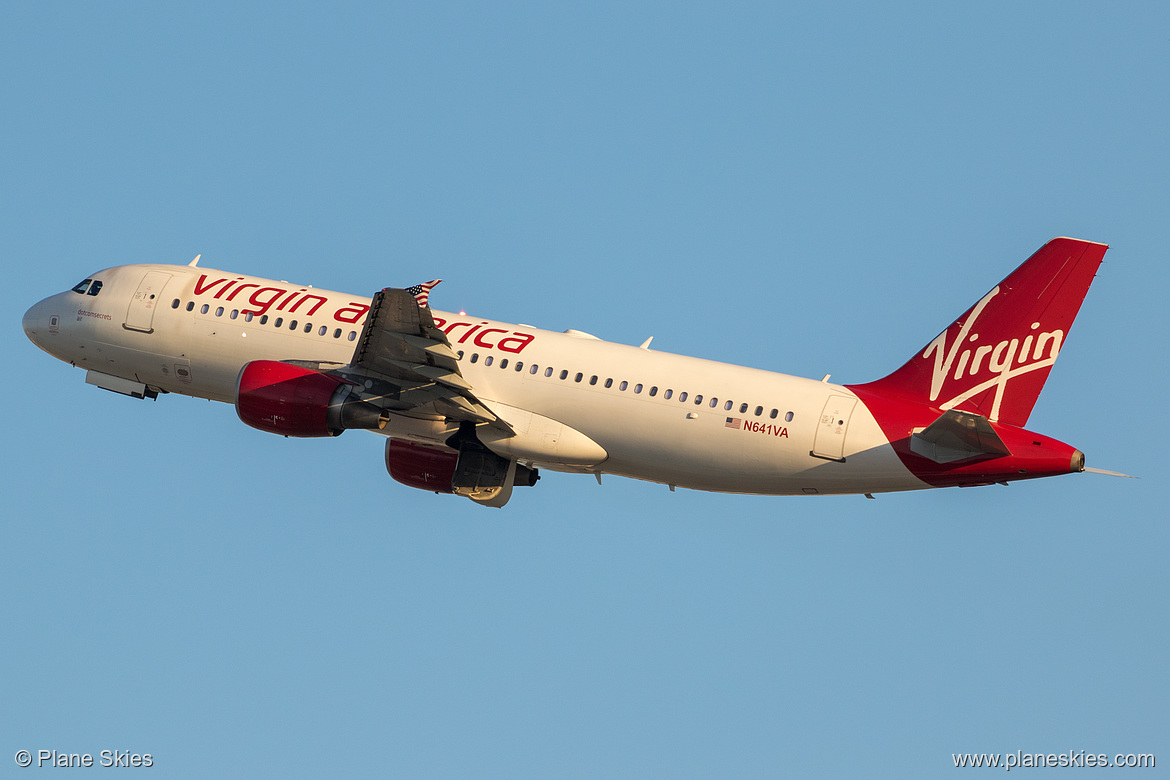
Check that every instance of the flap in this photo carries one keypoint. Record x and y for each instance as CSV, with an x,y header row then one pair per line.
x,y
400,346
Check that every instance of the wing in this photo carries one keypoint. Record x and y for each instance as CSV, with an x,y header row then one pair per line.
x,y
410,362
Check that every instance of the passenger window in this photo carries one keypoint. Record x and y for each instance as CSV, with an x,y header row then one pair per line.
x,y
248,316
487,361
292,325
743,408
279,322
623,385
459,354
175,303
82,286
788,417
504,363
337,333
219,312
714,402
235,313
654,391
637,388
578,377
698,400
727,406
548,371
308,327
263,319
667,394
682,397
95,288
564,374
774,413
609,382
759,410
352,335
322,330
474,357
203,309
535,368
593,379
190,305
519,366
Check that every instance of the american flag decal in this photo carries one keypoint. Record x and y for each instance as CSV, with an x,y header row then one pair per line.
x,y
733,422
422,292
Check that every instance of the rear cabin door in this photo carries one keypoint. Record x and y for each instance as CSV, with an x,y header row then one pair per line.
x,y
140,313
830,439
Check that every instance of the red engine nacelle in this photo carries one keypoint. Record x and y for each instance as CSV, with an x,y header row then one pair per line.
x,y
294,401
420,466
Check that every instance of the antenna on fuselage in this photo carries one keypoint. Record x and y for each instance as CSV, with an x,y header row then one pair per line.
x,y
195,262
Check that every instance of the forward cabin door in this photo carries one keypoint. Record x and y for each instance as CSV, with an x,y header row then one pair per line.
x,y
830,439
140,313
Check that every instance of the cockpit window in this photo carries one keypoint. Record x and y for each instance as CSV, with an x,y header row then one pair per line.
x,y
82,287
95,288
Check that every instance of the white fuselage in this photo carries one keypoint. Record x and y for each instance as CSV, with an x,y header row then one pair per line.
x,y
666,418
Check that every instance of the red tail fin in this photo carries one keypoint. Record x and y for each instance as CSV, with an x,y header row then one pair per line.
x,y
994,359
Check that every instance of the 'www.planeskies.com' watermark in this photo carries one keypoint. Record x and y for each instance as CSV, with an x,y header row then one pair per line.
x,y
1073,758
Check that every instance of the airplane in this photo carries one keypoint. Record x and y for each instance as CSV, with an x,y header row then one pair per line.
x,y
475,407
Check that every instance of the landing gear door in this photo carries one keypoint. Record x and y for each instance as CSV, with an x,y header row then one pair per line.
x,y
830,439
140,313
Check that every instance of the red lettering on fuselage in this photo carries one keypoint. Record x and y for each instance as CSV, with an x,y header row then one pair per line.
x,y
261,300
479,337
261,306
522,340
455,325
285,302
353,312
201,286
304,298
236,291
228,286
751,426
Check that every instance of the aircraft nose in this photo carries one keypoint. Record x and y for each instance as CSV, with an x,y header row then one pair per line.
x,y
32,322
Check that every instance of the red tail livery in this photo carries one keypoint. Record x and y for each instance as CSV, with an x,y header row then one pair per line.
x,y
954,412
994,359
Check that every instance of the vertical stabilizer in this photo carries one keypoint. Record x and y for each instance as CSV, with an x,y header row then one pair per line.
x,y
994,359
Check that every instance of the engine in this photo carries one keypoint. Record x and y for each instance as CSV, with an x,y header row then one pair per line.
x,y
445,470
294,401
420,466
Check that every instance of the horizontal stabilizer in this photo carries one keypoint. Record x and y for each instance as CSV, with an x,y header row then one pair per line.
x,y
958,436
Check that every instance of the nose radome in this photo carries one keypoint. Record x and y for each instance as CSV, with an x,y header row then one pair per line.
x,y
32,322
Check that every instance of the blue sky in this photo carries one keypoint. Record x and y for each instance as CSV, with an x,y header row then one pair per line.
x,y
808,190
